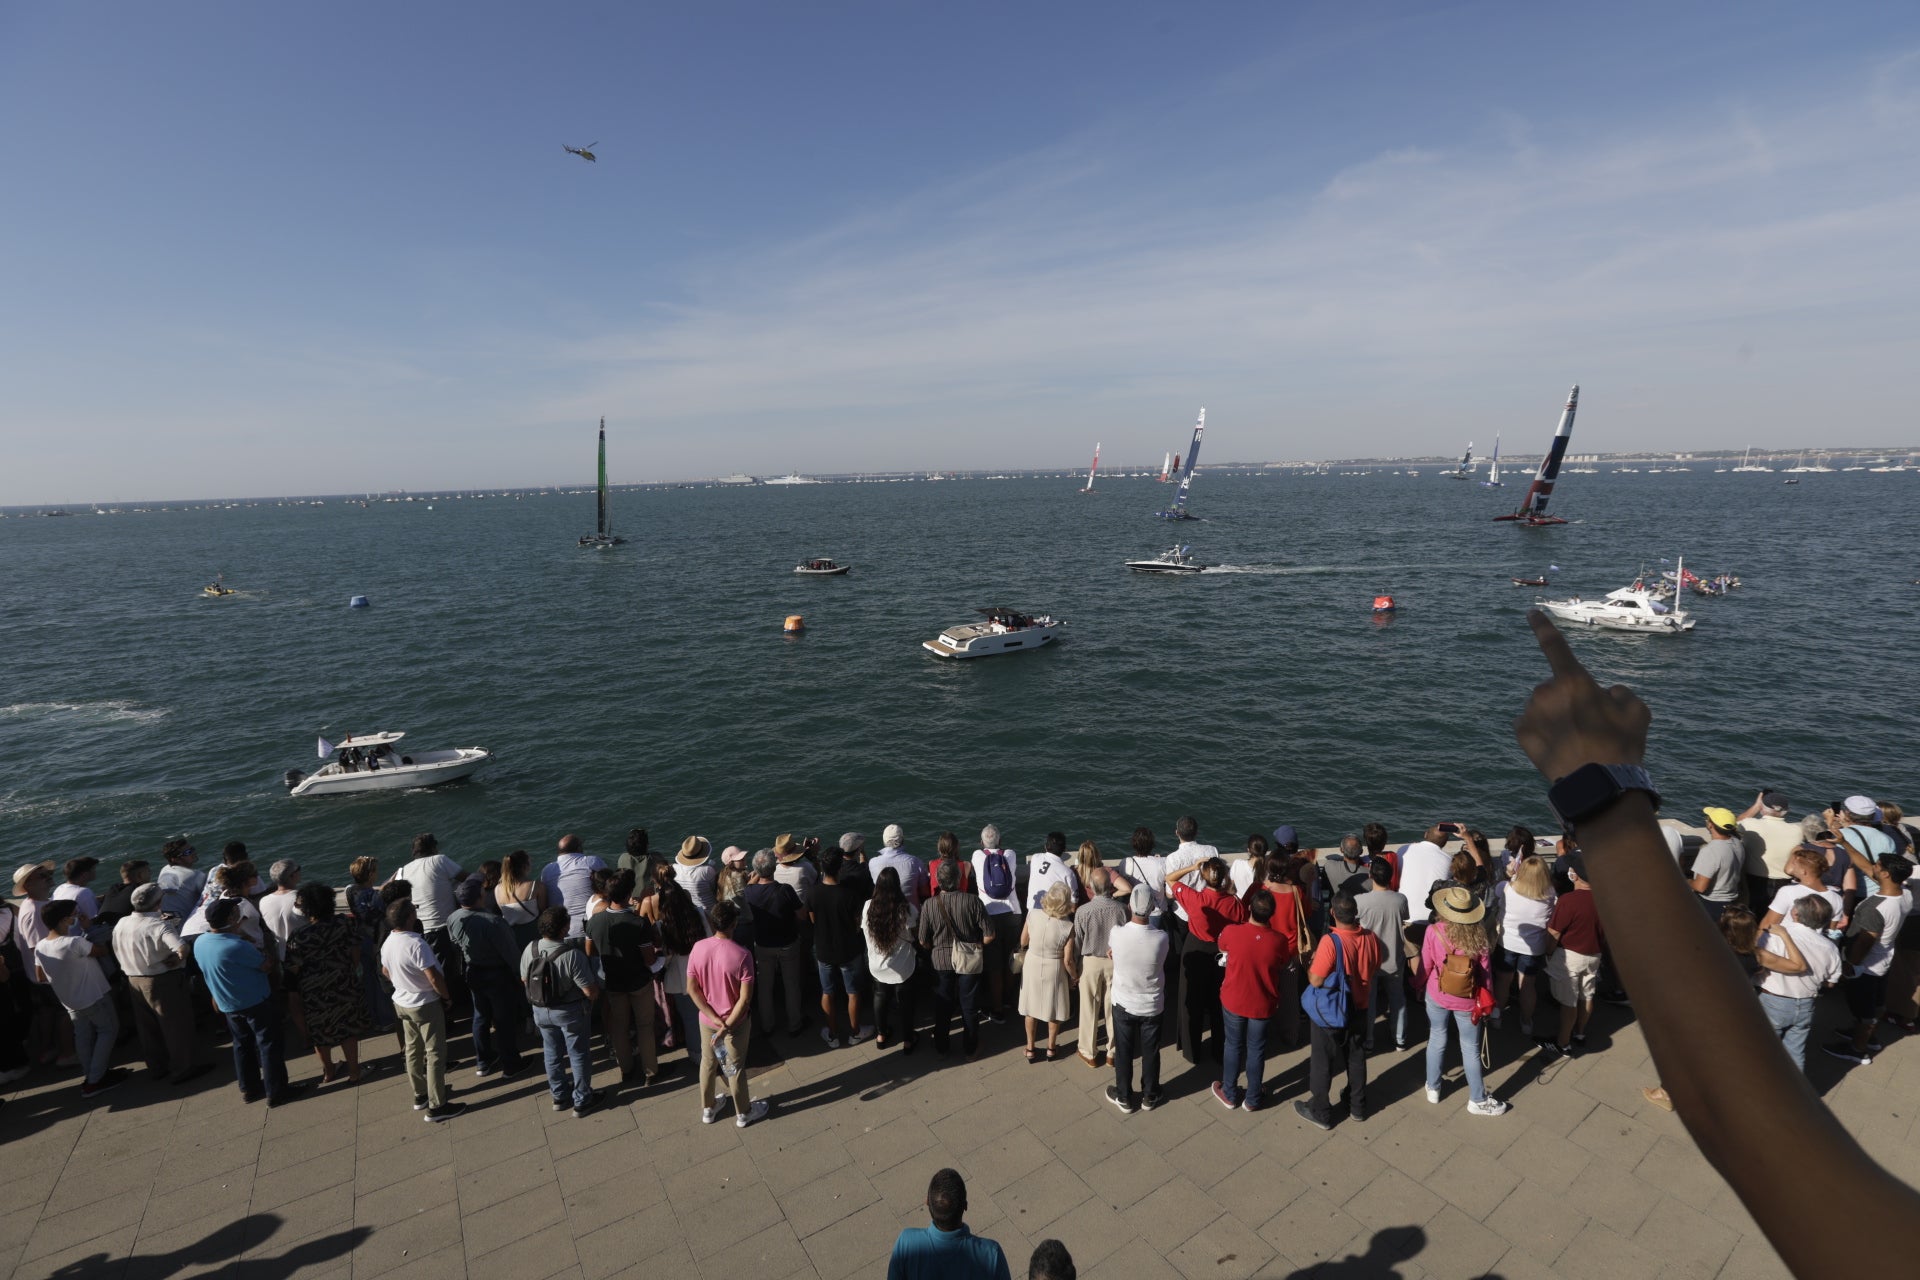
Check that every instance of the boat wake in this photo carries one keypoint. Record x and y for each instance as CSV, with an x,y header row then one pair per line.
x,y
115,712
1277,570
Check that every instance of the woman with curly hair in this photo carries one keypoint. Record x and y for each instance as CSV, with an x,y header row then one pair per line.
x,y
1454,960
887,922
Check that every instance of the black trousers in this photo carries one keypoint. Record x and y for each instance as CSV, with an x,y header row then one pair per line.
x,y
1329,1052
1135,1036
1200,976
893,1010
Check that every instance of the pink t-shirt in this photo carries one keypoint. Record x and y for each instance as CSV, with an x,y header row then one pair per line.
x,y
1433,953
721,966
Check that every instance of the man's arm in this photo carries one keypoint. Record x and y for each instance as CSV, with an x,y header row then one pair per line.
x,y
699,998
1070,958
1720,1060
438,981
740,1006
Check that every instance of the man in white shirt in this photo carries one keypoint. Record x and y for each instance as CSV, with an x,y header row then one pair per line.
x,y
70,963
996,877
569,881
1871,934
912,872
231,882
1787,999
1804,869
1139,955
276,909
180,880
431,875
78,890
1148,868
1188,853
153,955
420,996
1422,866
1048,868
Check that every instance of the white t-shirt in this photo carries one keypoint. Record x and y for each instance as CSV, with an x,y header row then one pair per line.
x,y
1189,853
1892,913
431,880
699,880
1789,894
997,906
1779,838
1151,871
1523,922
892,967
82,898
406,957
277,913
1045,870
249,927
77,978
181,889
1240,871
1422,866
1139,968
1822,957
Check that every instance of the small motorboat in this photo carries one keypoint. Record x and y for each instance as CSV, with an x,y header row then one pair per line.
x,y
1529,582
370,763
821,567
1173,560
1633,608
214,590
1003,631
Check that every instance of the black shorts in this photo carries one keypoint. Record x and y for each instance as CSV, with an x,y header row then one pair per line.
x,y
1866,995
1521,962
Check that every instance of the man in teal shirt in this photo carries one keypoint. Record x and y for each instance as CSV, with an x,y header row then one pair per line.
x,y
946,1250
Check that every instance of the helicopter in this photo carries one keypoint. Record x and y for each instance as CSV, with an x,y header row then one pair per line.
x,y
585,153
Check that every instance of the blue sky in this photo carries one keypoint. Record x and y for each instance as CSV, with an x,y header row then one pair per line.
x,y
269,249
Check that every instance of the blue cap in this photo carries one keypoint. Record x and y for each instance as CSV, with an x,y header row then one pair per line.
x,y
1285,836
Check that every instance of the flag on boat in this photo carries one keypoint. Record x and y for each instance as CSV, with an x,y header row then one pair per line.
x,y
326,748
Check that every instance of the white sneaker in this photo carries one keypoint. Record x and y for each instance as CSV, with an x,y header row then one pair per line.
x,y
758,1111
709,1114
1490,1106
18,1073
826,1033
863,1033
1433,1095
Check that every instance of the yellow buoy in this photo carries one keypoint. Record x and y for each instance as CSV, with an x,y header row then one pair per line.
x,y
795,623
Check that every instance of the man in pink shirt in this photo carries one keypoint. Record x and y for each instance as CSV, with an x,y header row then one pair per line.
x,y
720,983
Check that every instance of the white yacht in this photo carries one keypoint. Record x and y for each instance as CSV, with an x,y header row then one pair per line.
x,y
370,763
793,478
1172,560
1003,631
1631,608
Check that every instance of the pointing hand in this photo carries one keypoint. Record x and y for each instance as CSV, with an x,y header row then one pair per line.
x,y
1570,720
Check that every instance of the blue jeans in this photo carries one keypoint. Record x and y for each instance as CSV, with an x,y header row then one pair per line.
x,y
1395,985
1437,1021
956,991
1792,1019
840,979
566,1039
496,1015
257,1051
95,1028
1246,1042
687,1023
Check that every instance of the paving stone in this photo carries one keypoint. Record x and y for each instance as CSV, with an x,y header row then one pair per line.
x,y
1310,1230
295,1182
723,1216
1338,1169
1457,1245
772,1251
1684,1240
890,1143
1609,1193
1092,1231
1538,1221
1615,1136
1472,1182
1129,1175
1540,1158
823,1201
1599,1252
534,1255
406,1199
1393,1200
1212,1154
1224,1248
856,1246
1033,1202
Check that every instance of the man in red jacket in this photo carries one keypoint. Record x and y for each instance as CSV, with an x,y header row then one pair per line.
x,y
1249,994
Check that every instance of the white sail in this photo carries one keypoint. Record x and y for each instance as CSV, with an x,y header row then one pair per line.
x,y
1493,467
1095,467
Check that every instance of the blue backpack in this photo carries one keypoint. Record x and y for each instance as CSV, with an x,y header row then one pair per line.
x,y
998,874
1327,1005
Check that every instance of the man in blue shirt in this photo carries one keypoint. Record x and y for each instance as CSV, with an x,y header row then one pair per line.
x,y
235,972
946,1250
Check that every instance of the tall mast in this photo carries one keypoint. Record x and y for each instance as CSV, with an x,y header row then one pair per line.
x,y
1095,467
1193,456
601,521
1533,507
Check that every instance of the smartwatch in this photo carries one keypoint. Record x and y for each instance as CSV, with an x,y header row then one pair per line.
x,y
1592,789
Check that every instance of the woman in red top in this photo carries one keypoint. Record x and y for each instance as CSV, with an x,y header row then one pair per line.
x,y
947,849
1210,909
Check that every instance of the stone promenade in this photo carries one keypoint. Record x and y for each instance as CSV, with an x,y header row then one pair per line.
x,y
1582,1178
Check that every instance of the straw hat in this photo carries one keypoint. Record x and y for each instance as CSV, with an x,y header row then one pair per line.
x,y
694,851
1459,905
785,849
26,870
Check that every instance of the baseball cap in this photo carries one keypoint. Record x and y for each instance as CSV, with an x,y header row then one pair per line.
x,y
733,856
1141,901
1285,837
147,897
894,836
852,842
1773,800
1721,818
1860,807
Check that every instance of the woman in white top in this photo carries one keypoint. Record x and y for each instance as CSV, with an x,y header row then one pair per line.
x,y
1526,903
693,868
887,922
521,897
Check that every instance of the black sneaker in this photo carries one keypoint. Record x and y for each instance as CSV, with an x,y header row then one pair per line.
x,y
436,1115
1126,1105
592,1103
108,1081
1844,1050
1305,1112
1148,1101
419,1102
560,1104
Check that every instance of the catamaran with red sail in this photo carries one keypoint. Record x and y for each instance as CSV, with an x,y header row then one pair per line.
x,y
1533,507
1094,468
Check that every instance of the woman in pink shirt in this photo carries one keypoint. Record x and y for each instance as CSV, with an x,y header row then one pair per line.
x,y
1456,964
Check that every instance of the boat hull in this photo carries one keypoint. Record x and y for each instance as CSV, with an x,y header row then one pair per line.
x,y
841,571
990,646
429,769
1155,566
1580,617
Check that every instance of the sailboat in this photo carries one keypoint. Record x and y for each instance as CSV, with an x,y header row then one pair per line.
x,y
1748,464
602,536
1493,480
1094,468
1533,508
1166,468
1179,509
1465,470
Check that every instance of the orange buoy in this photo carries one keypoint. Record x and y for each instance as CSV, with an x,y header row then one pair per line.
x,y
1383,604
794,623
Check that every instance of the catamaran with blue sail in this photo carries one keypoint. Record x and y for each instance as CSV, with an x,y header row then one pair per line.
x,y
1179,509
1465,470
602,536
1493,480
1533,507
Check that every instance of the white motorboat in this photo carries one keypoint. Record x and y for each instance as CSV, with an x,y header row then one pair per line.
x,y
1631,608
821,567
1172,560
1003,631
369,762
793,477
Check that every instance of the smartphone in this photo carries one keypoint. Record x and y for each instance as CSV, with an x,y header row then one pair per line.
x,y
1451,828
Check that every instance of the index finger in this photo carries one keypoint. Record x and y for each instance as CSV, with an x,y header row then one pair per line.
x,y
1554,645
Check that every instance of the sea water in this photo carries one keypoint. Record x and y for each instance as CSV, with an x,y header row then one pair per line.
x,y
652,685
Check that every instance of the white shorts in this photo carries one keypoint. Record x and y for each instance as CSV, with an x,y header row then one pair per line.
x,y
1573,977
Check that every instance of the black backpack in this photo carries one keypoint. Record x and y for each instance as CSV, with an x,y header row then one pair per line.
x,y
546,985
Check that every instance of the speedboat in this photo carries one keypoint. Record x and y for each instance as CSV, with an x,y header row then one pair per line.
x,y
1529,582
370,763
1003,631
1631,608
820,567
1172,560
214,590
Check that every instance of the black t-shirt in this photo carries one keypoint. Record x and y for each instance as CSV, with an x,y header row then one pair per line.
x,y
618,940
116,903
776,914
836,924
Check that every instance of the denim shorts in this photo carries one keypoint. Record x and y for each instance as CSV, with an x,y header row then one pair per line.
x,y
1520,962
840,979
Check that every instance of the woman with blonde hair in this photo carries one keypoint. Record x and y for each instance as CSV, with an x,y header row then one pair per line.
x,y
1045,993
1455,967
1084,863
1526,903
522,897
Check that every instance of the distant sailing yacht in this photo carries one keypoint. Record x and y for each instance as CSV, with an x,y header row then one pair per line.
x,y
1094,468
1533,507
1493,480
1179,509
1465,469
602,536
1748,464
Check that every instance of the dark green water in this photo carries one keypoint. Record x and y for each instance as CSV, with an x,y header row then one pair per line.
x,y
652,686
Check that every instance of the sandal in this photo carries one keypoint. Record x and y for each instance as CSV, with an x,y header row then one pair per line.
x,y
1053,1053
1032,1057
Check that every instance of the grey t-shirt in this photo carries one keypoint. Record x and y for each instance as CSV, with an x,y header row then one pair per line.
x,y
573,964
1094,923
1722,862
1383,913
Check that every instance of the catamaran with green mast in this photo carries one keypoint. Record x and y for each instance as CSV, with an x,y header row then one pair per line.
x,y
602,536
